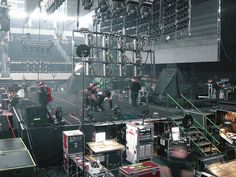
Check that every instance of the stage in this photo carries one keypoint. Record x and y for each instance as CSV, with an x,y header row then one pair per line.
x,y
223,169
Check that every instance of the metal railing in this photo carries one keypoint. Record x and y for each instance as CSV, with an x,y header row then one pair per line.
x,y
203,114
200,129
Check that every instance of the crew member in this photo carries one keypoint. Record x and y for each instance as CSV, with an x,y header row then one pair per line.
x,y
216,86
179,164
91,95
45,96
101,97
134,88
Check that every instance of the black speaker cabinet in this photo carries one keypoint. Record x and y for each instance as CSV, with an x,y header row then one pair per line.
x,y
36,116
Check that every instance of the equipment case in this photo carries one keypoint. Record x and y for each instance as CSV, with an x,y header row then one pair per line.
x,y
144,169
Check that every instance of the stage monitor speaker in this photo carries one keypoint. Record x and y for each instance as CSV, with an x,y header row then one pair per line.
x,y
36,116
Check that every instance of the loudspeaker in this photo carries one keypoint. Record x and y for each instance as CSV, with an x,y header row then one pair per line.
x,y
36,116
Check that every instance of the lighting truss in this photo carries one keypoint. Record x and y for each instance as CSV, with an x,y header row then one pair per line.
x,y
162,20
53,5
4,18
107,48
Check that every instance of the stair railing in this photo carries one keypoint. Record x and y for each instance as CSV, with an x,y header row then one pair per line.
x,y
217,127
202,128
182,129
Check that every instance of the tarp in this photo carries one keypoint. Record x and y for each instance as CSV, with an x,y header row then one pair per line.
x,y
170,81
75,83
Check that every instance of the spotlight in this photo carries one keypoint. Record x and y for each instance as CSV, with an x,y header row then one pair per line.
x,y
102,5
83,50
132,7
88,4
145,9
118,6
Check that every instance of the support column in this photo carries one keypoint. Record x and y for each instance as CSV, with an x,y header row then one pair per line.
x,y
5,59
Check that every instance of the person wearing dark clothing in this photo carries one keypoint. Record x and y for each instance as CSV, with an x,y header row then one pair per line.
x,y
91,95
101,97
45,96
134,88
179,164
216,87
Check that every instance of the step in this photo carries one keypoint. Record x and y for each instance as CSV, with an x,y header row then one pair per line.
x,y
203,143
178,122
193,138
192,132
175,118
208,149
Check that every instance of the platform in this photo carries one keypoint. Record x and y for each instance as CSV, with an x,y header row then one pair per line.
x,y
224,169
15,159
11,144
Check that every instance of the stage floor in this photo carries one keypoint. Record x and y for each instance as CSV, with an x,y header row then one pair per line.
x,y
71,105
224,169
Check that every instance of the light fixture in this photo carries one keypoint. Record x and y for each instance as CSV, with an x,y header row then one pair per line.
x,y
145,8
88,4
132,7
83,50
52,6
103,5
118,6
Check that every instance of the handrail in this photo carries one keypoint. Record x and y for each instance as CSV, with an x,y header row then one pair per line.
x,y
199,111
207,132
177,104
190,138
193,140
193,119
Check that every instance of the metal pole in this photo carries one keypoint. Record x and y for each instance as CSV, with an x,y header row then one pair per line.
x,y
135,57
78,10
83,122
77,25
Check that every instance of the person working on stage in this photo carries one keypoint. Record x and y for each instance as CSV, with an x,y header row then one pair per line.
x,y
101,97
215,86
91,96
134,88
45,96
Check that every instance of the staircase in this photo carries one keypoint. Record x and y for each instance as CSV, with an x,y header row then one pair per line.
x,y
200,138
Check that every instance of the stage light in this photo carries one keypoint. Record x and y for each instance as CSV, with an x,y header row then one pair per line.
x,y
88,4
118,7
52,6
83,50
132,7
145,9
103,5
